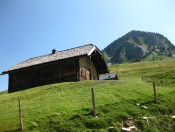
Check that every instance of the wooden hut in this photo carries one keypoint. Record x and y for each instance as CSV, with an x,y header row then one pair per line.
x,y
76,64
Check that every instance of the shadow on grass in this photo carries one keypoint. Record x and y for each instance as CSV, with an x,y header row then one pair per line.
x,y
16,130
147,102
88,114
150,102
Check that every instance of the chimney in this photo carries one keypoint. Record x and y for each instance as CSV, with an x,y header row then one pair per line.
x,y
54,51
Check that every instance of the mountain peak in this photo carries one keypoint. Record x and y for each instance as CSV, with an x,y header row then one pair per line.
x,y
139,46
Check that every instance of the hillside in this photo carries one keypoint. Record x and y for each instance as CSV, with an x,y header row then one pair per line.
x,y
125,102
138,46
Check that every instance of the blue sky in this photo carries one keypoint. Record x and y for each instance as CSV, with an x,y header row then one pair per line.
x,y
29,28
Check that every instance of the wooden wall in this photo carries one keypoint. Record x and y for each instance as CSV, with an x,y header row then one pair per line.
x,y
76,69
55,72
87,69
94,71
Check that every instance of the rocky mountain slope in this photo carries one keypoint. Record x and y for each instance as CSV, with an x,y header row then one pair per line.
x,y
139,46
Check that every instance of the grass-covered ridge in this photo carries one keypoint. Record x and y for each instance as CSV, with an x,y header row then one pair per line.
x,y
67,106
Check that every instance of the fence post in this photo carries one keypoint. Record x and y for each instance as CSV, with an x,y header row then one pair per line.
x,y
93,102
154,89
142,78
20,115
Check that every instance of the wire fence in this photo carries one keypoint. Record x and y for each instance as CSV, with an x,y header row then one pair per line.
x,y
35,107
160,83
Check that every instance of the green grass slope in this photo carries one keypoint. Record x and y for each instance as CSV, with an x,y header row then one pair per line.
x,y
68,107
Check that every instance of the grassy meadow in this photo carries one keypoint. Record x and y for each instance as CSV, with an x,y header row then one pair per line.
x,y
119,103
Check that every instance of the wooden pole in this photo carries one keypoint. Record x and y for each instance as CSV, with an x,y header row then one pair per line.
x,y
93,102
20,115
154,89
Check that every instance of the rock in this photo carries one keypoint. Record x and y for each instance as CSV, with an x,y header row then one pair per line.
x,y
112,129
129,125
129,129
96,117
137,104
133,128
124,129
145,118
145,107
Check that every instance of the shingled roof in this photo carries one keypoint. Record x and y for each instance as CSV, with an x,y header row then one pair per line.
x,y
59,55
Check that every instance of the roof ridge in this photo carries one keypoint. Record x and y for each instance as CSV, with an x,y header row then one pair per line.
x,y
75,47
61,51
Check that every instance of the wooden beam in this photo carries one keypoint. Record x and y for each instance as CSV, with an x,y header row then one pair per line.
x,y
93,102
20,115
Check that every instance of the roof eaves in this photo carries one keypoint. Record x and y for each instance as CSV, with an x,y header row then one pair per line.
x,y
8,71
92,50
87,53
